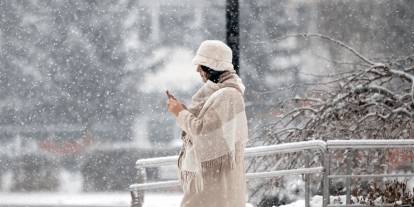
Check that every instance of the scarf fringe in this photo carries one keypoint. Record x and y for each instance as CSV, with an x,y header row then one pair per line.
x,y
227,161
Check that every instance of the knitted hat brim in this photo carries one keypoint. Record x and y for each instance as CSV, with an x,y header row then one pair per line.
x,y
212,63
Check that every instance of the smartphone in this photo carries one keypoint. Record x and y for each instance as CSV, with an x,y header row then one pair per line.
x,y
169,94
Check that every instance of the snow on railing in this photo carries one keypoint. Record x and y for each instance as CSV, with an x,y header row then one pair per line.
x,y
286,148
370,143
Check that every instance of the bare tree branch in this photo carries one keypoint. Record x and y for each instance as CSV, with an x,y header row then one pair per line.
x,y
352,50
339,62
373,101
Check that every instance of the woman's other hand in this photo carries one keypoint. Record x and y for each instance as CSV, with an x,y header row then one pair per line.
x,y
174,106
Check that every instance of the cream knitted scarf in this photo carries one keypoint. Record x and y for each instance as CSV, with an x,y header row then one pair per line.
x,y
214,127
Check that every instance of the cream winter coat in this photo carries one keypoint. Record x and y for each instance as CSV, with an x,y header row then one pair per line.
x,y
211,162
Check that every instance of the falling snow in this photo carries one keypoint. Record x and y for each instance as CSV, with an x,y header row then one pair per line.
x,y
82,91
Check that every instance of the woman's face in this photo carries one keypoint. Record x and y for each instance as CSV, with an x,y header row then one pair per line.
x,y
203,74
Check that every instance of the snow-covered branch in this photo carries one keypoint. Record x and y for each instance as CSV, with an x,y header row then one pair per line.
x,y
320,36
358,97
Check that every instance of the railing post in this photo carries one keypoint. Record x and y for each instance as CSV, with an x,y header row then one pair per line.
x,y
327,168
348,180
135,199
307,181
137,196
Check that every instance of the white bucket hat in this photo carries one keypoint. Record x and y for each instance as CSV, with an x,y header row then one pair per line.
x,y
214,54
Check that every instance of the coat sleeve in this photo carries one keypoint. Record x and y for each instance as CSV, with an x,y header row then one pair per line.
x,y
199,126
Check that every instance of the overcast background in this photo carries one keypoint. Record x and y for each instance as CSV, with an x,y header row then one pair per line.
x,y
82,82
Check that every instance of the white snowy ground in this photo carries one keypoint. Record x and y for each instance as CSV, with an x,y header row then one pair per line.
x,y
114,200
315,201
87,199
110,200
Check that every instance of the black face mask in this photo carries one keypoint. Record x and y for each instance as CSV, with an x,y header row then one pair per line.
x,y
211,74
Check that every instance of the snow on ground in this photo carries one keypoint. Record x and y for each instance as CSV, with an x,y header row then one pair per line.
x,y
315,201
169,200
119,199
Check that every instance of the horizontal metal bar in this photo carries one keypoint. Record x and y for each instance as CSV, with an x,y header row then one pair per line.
x,y
175,183
156,162
371,176
156,185
370,143
286,148
249,152
271,174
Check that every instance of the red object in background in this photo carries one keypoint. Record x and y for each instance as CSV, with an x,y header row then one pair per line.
x,y
66,147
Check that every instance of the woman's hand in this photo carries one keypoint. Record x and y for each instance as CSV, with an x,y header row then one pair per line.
x,y
174,106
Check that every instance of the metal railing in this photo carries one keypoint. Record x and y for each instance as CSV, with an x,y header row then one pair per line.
x,y
137,189
351,145
325,148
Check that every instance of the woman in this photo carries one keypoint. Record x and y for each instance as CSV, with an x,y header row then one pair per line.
x,y
211,161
